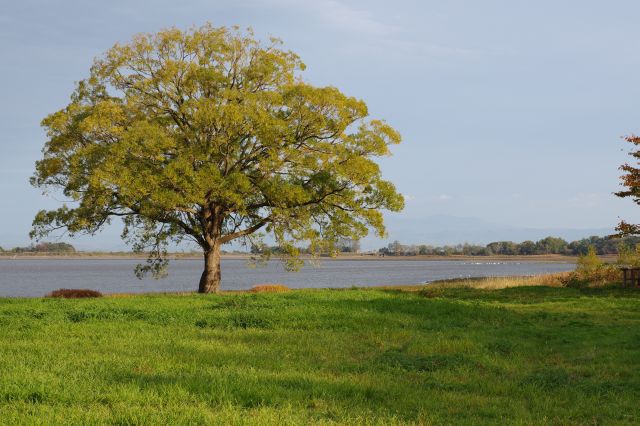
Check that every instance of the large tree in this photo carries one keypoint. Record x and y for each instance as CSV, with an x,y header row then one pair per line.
x,y
631,181
212,135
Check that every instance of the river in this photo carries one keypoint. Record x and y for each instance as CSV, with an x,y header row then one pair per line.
x,y
36,277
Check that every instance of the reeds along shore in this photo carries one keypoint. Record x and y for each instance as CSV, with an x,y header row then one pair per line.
x,y
603,277
497,283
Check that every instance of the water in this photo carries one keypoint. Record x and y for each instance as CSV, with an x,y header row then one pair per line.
x,y
36,277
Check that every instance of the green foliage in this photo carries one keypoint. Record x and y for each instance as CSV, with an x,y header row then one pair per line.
x,y
630,180
551,245
502,247
46,247
527,247
589,263
591,270
548,245
55,247
358,357
211,135
628,256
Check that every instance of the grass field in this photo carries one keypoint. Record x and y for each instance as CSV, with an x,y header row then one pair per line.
x,y
527,355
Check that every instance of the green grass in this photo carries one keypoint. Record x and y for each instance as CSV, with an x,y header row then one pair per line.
x,y
526,355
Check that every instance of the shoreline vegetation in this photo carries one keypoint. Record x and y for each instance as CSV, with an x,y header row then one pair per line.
x,y
79,255
555,280
549,249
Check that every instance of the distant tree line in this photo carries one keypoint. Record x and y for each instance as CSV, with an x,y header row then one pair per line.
x,y
43,247
342,245
549,245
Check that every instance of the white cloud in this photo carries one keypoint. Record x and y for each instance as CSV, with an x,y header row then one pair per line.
x,y
336,14
345,17
382,34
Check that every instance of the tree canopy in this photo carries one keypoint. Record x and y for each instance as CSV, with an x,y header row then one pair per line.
x,y
631,181
212,135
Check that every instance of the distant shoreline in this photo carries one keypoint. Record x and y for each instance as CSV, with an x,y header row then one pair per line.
x,y
546,258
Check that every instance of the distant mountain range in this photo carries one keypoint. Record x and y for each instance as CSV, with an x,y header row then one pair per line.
x,y
443,229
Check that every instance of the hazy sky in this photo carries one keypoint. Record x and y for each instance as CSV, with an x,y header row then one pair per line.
x,y
510,111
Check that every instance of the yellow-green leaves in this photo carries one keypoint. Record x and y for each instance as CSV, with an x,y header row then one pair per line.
x,y
211,134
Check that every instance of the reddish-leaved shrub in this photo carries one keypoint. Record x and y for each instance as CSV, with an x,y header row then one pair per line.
x,y
269,288
74,293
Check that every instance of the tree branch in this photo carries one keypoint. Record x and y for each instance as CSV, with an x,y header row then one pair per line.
x,y
247,231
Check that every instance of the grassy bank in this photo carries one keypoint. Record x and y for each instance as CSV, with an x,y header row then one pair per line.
x,y
530,355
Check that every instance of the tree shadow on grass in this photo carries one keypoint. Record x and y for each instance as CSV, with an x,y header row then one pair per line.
x,y
411,312
265,363
323,397
346,314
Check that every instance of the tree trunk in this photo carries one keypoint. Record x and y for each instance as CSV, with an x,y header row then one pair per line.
x,y
210,279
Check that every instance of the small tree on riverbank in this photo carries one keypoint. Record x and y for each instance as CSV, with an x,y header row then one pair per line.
x,y
211,135
631,181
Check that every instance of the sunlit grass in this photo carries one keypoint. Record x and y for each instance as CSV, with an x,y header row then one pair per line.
x,y
527,355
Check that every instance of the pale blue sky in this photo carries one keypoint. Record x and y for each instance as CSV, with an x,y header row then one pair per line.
x,y
511,111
